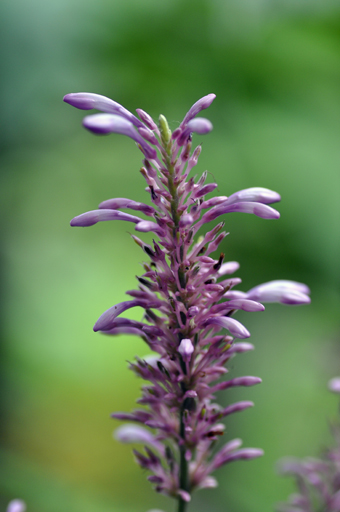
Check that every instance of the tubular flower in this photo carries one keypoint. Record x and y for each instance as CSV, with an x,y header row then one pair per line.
x,y
188,300
318,480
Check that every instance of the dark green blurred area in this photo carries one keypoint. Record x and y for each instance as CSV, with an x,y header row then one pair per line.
x,y
275,67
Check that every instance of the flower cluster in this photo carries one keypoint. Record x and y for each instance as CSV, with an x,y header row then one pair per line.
x,y
188,298
318,480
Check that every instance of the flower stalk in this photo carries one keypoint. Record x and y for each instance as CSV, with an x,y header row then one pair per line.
x,y
188,299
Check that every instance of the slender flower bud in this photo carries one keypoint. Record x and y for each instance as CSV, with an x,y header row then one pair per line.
x,y
197,107
186,349
88,101
121,202
150,123
103,124
228,268
235,328
255,194
91,218
286,292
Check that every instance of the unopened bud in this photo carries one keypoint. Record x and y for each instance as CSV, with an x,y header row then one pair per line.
x,y
186,349
164,129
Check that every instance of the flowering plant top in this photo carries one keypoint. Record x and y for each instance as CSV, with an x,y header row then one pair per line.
x,y
188,298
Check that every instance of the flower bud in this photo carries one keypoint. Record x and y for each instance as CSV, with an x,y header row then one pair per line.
x,y
186,349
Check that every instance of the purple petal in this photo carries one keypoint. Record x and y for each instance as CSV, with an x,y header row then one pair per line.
x,y
209,482
105,321
238,348
244,454
228,268
184,495
197,107
238,381
121,202
237,407
151,330
94,216
214,201
255,194
235,294
199,125
286,292
148,135
229,447
204,190
147,119
103,124
246,305
147,225
131,433
186,220
235,328
259,209
88,101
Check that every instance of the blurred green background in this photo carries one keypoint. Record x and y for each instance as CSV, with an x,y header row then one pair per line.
x,y
275,67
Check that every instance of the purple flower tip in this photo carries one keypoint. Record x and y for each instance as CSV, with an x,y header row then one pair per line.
x,y
94,216
197,107
130,433
79,100
286,292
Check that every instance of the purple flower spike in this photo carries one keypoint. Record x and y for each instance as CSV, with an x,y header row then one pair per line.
x,y
188,301
89,101
102,124
286,292
91,218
